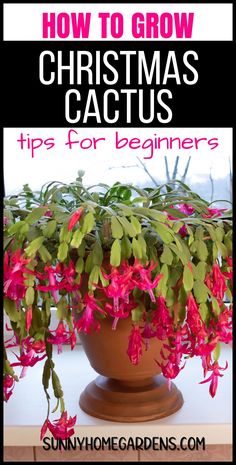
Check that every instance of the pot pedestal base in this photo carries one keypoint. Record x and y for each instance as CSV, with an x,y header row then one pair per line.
x,y
130,401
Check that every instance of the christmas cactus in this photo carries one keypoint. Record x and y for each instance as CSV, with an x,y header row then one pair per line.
x,y
161,257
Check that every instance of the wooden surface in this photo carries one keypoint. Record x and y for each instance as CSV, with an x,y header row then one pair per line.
x,y
213,453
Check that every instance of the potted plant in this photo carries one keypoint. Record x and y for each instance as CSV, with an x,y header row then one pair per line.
x,y
143,274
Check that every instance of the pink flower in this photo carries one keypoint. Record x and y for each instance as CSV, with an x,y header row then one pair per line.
x,y
171,369
122,312
87,322
134,350
8,386
214,377
38,346
27,359
61,428
161,319
59,337
144,282
215,281
214,212
14,269
75,218
183,231
147,334
67,274
120,286
53,285
29,315
5,221
193,319
186,208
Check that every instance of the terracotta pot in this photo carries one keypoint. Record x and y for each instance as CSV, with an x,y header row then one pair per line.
x,y
125,392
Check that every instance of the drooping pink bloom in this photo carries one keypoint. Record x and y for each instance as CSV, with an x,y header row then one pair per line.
x,y
229,274
14,269
61,428
75,218
59,336
29,315
122,312
193,319
186,208
215,281
67,275
120,286
53,284
87,322
216,212
148,333
171,369
214,377
144,280
222,325
8,386
27,359
183,231
134,350
162,319
38,345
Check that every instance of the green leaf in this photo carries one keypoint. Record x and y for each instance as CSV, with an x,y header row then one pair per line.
x,y
200,271
216,352
29,296
8,370
44,254
215,306
62,251
137,249
156,215
11,311
49,228
34,246
62,309
79,267
203,310
136,224
143,245
137,313
97,254
222,249
56,385
126,248
65,235
202,251
116,228
115,253
200,291
46,374
89,263
219,234
164,232
187,278
93,277
15,227
104,281
88,223
128,227
35,215
166,256
77,238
